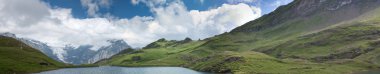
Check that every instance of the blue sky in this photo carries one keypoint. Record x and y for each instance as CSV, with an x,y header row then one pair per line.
x,y
126,9
138,22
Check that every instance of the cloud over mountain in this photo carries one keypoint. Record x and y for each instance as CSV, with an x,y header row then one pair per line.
x,y
57,27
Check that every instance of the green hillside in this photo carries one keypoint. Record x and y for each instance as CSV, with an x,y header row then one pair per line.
x,y
164,53
303,37
17,57
247,62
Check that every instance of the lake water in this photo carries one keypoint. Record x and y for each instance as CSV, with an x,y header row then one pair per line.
x,y
124,70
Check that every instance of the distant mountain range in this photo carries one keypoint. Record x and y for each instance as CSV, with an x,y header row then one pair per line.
x,y
84,55
76,55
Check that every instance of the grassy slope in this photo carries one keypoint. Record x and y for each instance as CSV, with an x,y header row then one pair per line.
x,y
166,55
311,44
246,62
17,57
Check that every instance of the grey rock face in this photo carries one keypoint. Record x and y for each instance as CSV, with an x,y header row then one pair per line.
x,y
43,47
84,55
108,51
7,34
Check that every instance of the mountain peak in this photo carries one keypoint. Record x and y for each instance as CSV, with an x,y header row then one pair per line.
x,y
332,12
309,7
8,34
117,41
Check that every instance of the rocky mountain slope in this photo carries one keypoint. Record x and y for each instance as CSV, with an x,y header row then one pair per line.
x,y
75,55
17,57
43,47
84,55
303,37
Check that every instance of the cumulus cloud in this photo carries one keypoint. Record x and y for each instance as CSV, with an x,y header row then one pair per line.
x,y
93,6
241,1
151,3
57,27
222,19
21,13
174,21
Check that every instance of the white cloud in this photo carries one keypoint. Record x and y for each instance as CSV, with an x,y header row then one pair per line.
x,y
21,13
178,22
134,2
57,27
278,3
93,6
150,3
202,1
241,1
224,18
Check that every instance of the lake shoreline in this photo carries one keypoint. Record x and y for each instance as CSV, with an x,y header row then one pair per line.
x,y
147,66
122,70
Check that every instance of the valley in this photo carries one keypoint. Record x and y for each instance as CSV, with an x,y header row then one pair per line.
x,y
303,37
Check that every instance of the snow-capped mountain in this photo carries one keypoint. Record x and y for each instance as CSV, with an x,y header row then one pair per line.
x,y
7,34
108,51
43,47
84,55
78,55
75,55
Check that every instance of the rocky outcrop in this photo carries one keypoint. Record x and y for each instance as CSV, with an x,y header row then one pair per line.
x,y
234,59
136,58
353,53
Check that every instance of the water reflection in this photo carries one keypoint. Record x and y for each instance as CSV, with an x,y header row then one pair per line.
x,y
124,70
